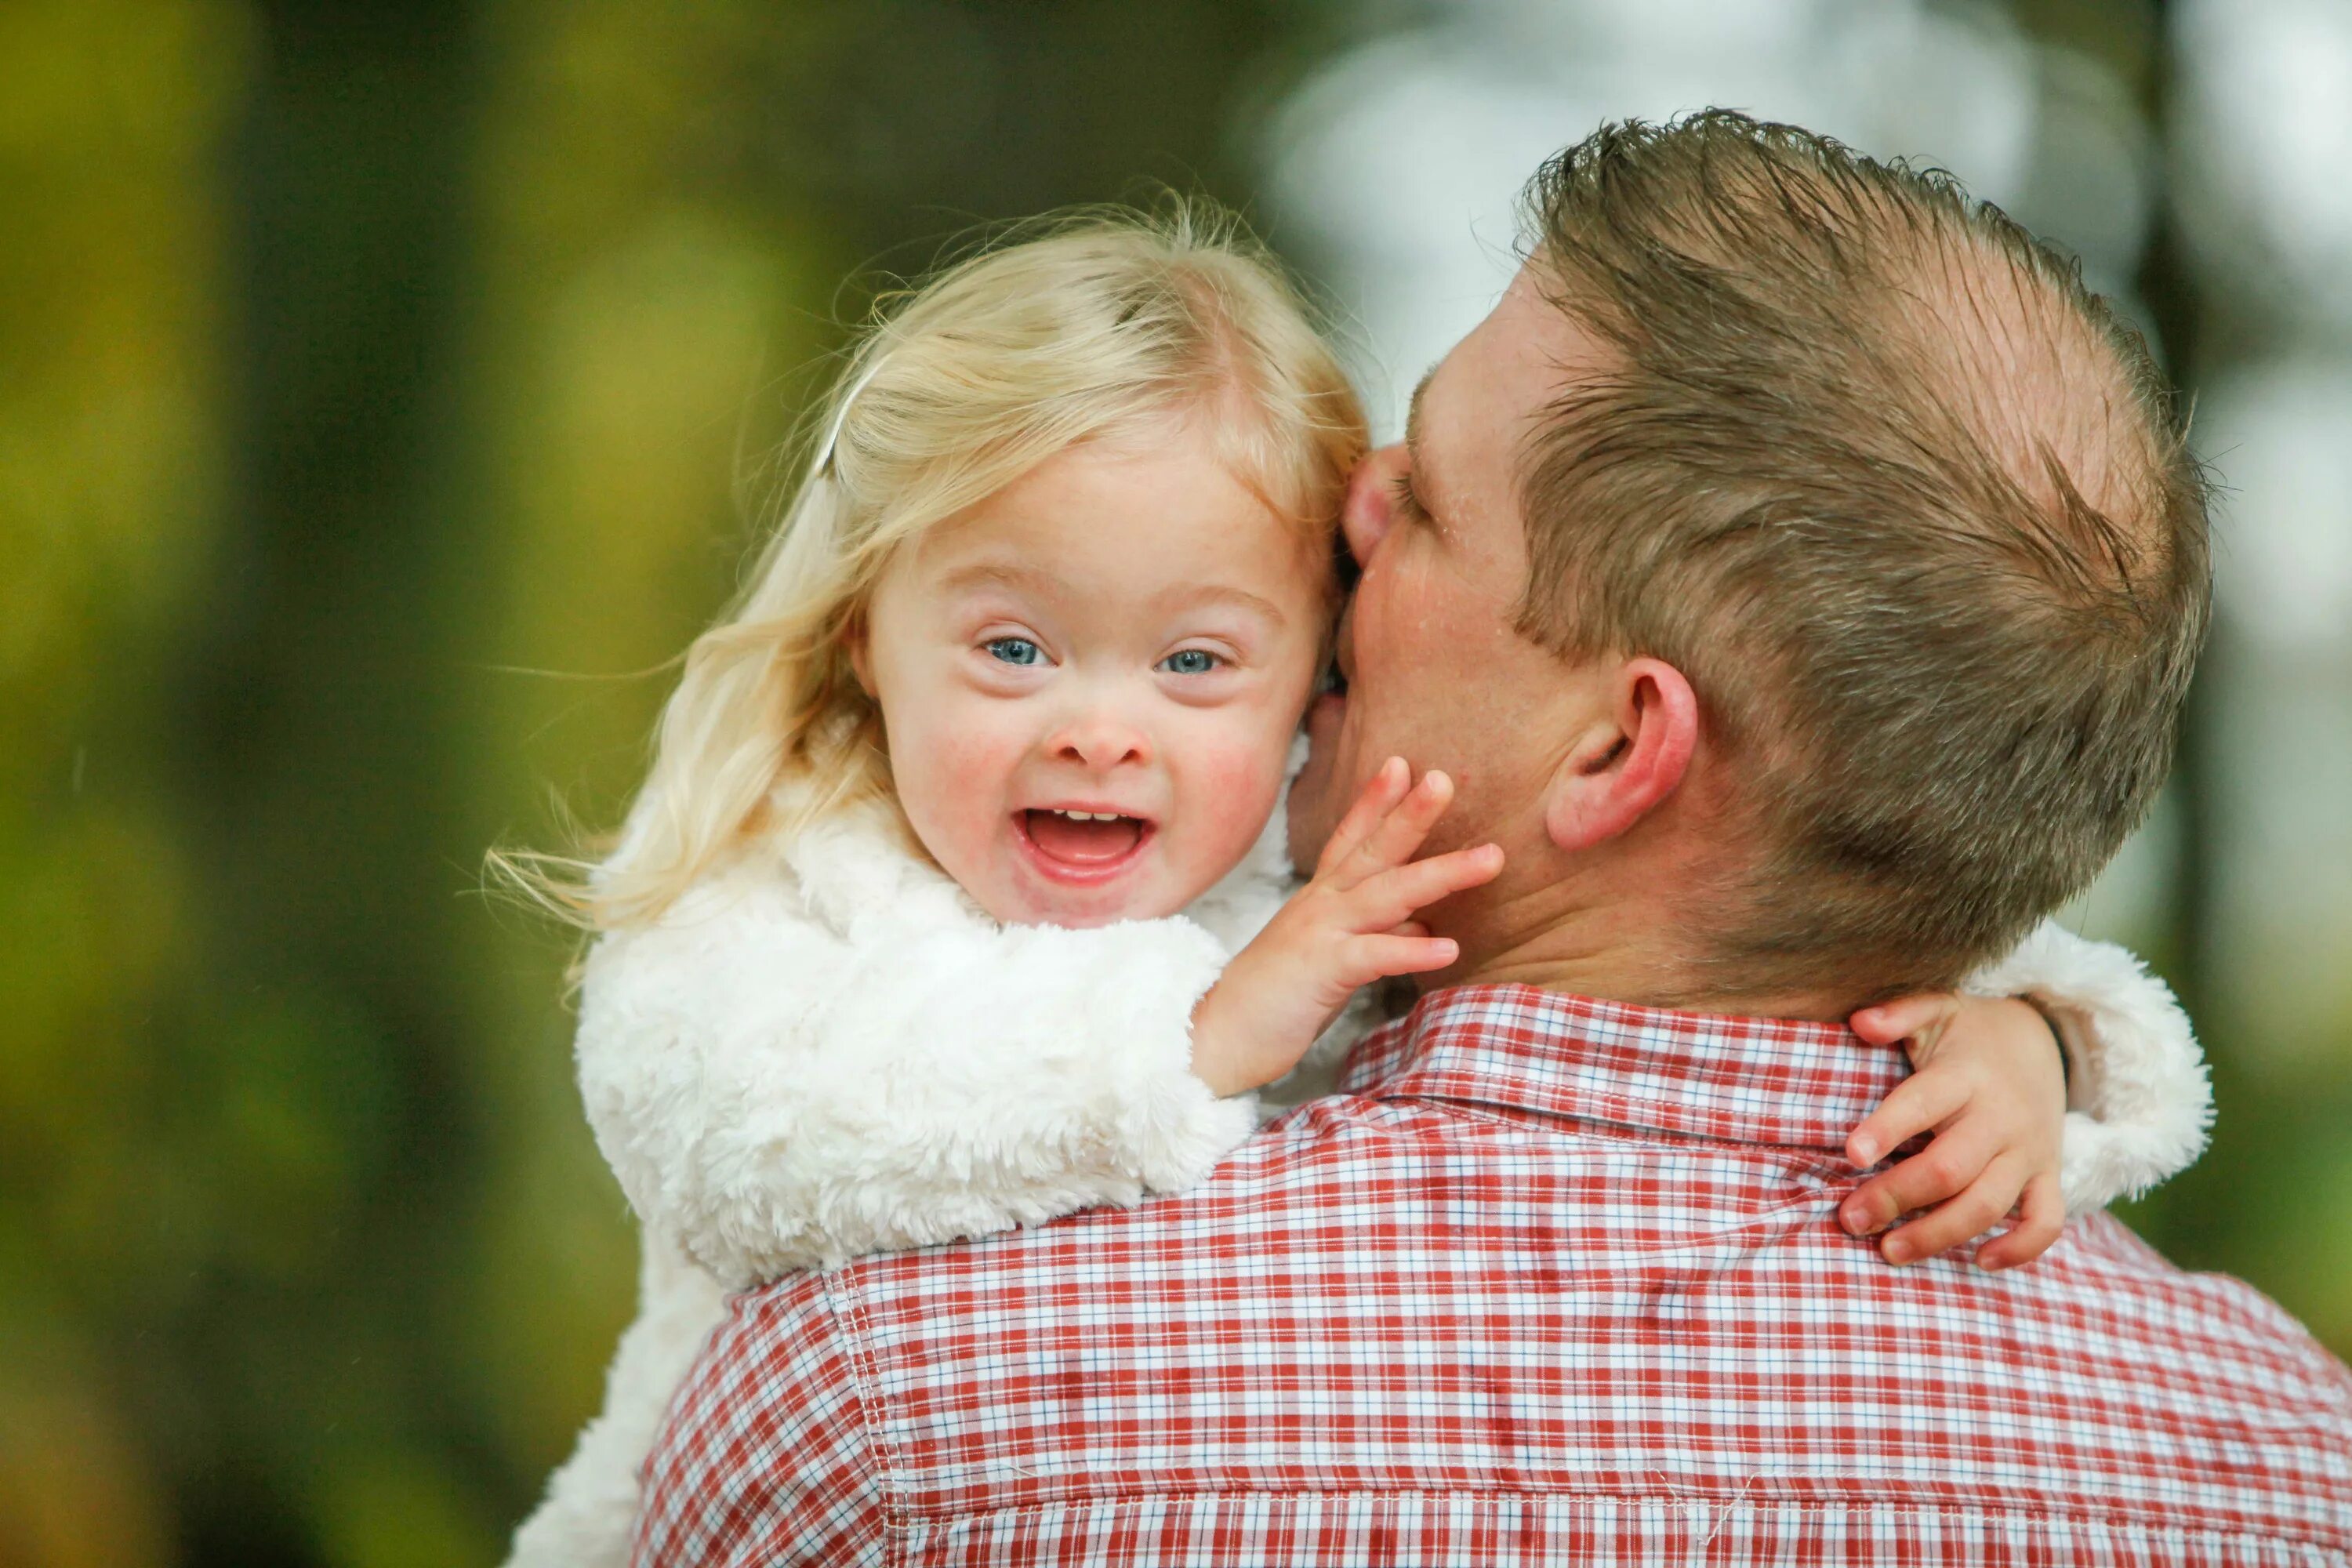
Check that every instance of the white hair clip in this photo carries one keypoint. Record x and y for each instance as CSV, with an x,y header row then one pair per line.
x,y
841,417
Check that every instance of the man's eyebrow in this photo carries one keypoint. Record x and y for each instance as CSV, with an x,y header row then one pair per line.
x,y
1425,483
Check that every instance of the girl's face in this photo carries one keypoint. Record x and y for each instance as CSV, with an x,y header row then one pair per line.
x,y
1090,681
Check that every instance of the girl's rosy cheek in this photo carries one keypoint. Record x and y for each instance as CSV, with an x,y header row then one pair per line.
x,y
1239,786
952,770
982,746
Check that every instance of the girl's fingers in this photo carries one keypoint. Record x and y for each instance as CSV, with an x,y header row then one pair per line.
x,y
1922,1101
1375,957
1397,836
1973,1212
1374,802
2033,1235
1892,1022
1386,898
1946,1167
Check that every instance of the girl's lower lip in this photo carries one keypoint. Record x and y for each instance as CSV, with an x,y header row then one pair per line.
x,y
1070,875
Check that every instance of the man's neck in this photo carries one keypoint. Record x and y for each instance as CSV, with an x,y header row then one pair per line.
x,y
1619,950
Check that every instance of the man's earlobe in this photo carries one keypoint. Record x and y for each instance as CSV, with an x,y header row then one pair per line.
x,y
1627,762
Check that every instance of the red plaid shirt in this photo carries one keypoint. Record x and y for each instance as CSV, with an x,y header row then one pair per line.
x,y
1554,1280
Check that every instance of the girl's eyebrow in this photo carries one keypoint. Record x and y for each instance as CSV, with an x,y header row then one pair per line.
x,y
998,574
1045,584
1192,596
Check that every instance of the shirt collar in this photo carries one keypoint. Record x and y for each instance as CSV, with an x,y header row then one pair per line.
x,y
1753,1081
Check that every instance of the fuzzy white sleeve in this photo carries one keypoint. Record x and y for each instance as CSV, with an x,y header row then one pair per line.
x,y
777,1097
2139,1102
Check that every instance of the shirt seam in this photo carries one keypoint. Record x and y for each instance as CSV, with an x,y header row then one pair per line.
x,y
848,1309
1721,1506
1583,1124
1638,1118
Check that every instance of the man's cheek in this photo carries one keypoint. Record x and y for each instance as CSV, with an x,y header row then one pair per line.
x,y
1311,817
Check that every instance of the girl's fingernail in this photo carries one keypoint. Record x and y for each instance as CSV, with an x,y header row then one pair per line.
x,y
1866,1152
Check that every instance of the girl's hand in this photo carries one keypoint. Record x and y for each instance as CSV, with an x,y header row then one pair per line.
x,y
1350,925
1990,1081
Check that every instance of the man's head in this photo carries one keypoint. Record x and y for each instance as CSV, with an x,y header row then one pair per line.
x,y
1798,553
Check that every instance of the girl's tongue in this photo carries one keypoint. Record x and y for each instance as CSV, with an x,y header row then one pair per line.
x,y
1083,843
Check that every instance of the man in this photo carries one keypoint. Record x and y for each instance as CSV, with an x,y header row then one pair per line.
x,y
1800,576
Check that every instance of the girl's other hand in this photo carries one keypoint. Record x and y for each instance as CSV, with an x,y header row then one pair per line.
x,y
1990,1082
1350,925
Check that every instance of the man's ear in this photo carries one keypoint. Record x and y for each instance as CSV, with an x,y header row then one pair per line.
x,y
1628,759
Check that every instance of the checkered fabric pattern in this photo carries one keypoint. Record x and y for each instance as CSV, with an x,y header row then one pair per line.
x,y
1553,1281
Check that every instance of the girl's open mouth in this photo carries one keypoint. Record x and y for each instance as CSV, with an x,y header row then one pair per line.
x,y
1080,847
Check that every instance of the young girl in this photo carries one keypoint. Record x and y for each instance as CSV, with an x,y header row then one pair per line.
x,y
958,899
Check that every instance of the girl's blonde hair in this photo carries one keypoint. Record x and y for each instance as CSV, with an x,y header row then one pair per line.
x,y
1104,325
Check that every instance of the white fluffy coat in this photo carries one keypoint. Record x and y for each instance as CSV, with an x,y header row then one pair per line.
x,y
828,1049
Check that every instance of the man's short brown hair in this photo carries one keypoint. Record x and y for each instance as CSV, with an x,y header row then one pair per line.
x,y
1910,507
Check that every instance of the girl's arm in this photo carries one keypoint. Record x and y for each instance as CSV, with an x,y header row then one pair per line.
x,y
2128,1110
777,1095
2139,1102
790,1071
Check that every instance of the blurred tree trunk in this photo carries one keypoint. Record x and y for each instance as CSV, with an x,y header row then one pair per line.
x,y
319,768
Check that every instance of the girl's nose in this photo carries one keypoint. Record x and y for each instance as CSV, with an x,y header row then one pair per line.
x,y
1100,742
1370,506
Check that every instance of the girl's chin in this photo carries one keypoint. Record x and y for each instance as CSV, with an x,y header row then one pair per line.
x,y
1032,900
1073,914
1078,919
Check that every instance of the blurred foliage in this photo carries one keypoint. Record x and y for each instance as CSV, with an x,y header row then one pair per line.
x,y
378,381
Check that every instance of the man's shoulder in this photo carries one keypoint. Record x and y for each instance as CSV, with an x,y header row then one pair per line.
x,y
1284,1188
862,1358
768,1447
2112,1283
1388,1179
1396,1296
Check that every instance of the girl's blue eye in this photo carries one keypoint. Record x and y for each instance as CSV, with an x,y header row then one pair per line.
x,y
1015,650
1190,661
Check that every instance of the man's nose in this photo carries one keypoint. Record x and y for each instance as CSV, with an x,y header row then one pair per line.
x,y
1372,501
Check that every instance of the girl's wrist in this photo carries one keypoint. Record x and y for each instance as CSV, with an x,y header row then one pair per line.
x,y
1214,1057
2057,1033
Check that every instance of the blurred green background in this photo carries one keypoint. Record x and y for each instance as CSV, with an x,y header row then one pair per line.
x,y
382,394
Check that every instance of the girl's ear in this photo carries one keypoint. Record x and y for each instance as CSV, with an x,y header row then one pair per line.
x,y
854,641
